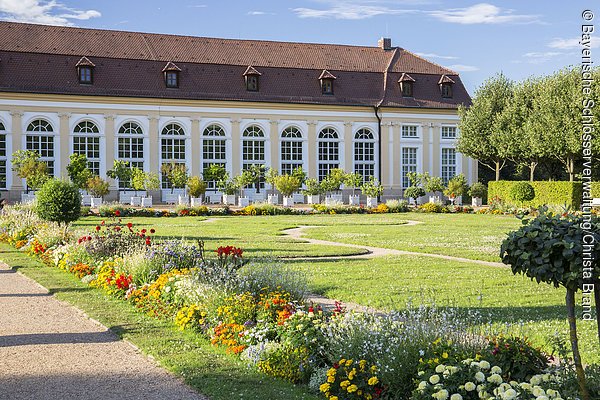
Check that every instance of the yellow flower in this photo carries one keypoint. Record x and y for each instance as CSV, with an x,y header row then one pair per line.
x,y
348,363
352,388
333,398
331,379
324,387
352,374
331,372
345,384
373,381
343,361
445,355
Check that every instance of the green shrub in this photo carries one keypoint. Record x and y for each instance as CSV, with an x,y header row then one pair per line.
x,y
546,193
595,189
414,192
478,190
517,357
197,186
397,206
431,208
97,186
522,192
59,201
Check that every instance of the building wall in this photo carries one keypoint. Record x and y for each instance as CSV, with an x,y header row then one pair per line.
x,y
152,115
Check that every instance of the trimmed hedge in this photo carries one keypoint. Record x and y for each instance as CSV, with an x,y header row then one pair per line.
x,y
546,192
595,189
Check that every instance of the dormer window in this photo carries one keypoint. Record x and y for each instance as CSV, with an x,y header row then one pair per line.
x,y
326,80
251,76
446,86
85,71
171,72
406,85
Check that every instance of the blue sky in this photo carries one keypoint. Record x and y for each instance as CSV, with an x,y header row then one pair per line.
x,y
475,38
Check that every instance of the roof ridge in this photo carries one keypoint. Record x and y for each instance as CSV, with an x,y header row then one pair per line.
x,y
450,72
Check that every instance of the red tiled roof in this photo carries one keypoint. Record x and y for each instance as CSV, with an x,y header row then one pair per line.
x,y
41,59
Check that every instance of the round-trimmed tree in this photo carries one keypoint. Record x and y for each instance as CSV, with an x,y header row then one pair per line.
x,y
59,201
522,192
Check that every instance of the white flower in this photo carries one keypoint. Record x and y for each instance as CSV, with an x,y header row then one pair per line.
x,y
541,398
510,394
480,376
535,380
456,396
469,386
525,386
496,370
421,353
495,378
440,368
434,379
484,364
422,385
441,395
538,391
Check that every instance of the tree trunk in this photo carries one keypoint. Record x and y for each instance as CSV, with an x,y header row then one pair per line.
x,y
571,168
532,167
497,170
570,300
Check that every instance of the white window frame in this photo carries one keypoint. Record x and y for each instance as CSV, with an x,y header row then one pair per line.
x,y
448,138
417,165
365,144
328,144
89,135
183,136
205,162
38,136
134,162
294,143
447,176
4,162
255,143
417,129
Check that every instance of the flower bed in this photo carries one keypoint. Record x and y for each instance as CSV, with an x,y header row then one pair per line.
x,y
258,313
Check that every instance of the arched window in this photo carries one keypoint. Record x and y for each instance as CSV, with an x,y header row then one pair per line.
x,y
253,148
86,141
328,151
3,157
130,147
213,149
291,150
364,153
40,138
172,147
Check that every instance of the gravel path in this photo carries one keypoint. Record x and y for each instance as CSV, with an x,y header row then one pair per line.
x,y
51,350
297,233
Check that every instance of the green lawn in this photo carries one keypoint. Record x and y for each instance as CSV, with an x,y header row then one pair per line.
x,y
200,364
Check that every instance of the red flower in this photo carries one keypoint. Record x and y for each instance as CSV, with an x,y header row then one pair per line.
x,y
143,231
129,225
102,223
97,228
89,238
336,365
152,230
117,228
118,213
148,241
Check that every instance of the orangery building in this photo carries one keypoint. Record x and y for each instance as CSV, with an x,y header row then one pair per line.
x,y
151,99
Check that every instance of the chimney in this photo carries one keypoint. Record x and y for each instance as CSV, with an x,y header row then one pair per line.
x,y
385,43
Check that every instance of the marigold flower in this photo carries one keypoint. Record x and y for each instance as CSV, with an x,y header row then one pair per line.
x,y
373,381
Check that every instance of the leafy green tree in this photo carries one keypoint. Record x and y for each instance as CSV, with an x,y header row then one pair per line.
x,y
144,181
175,173
372,187
287,184
121,171
313,187
299,173
256,175
78,170
59,201
196,186
97,186
457,186
271,176
354,181
432,184
481,134
28,166
214,173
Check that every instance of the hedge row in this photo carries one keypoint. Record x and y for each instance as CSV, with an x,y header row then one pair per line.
x,y
546,192
595,189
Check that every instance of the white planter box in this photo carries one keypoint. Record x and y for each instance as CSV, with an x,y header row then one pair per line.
x,y
298,198
313,199
213,197
457,201
229,199
196,201
243,202
135,200
333,201
336,197
96,201
86,200
146,201
354,200
371,202
183,200
171,198
288,201
435,199
476,201
125,197
273,199
27,197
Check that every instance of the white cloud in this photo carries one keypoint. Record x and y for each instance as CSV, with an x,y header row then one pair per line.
x,y
433,55
260,13
463,68
43,12
536,57
569,44
349,10
483,13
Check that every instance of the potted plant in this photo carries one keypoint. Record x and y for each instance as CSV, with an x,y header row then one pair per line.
x,y
433,184
415,190
79,173
287,185
177,176
313,191
212,175
197,188
354,181
477,192
28,166
372,189
121,172
145,181
228,186
299,173
457,187
270,178
97,187
332,184
247,178
255,177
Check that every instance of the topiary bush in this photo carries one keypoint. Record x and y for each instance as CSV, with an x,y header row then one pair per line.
x,y
546,192
59,201
522,192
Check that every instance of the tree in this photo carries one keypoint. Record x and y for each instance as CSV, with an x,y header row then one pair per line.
x,y
59,201
353,180
271,176
28,166
372,187
299,173
214,173
97,186
244,180
196,186
313,187
256,175
481,136
287,184
121,171
145,181
78,170
334,180
457,186
415,190
432,184
176,174
549,249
